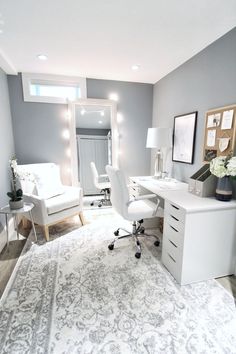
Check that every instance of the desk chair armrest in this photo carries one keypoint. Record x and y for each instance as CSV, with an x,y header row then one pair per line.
x,y
145,196
102,178
142,197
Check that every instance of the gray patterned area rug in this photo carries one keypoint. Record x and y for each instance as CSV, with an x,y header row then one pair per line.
x,y
73,295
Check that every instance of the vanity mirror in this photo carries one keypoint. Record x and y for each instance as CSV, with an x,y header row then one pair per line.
x,y
94,138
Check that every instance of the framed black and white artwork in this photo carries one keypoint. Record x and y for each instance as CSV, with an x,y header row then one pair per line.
x,y
184,137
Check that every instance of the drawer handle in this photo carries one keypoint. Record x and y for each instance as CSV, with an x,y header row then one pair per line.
x,y
174,206
173,243
171,258
174,228
174,218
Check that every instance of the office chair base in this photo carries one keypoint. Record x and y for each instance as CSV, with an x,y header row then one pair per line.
x,y
138,230
104,201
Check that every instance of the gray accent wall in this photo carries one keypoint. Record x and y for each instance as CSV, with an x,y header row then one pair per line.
x,y
135,105
206,81
87,131
6,148
38,127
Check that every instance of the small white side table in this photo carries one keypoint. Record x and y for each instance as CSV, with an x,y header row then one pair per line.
x,y
26,209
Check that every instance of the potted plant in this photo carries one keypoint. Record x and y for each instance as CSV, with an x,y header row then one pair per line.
x,y
16,194
224,167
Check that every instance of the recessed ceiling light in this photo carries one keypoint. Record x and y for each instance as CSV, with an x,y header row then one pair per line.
x,y
42,57
135,67
114,97
100,121
82,111
102,113
1,31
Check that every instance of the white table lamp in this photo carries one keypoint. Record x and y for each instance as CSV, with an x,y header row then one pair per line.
x,y
159,138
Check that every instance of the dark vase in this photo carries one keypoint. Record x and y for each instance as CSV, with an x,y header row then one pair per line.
x,y
224,189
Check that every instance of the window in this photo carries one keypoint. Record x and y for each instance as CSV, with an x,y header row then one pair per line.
x,y
52,88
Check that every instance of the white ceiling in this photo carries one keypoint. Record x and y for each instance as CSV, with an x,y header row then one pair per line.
x,y
102,39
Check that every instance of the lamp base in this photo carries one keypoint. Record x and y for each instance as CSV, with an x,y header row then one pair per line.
x,y
158,165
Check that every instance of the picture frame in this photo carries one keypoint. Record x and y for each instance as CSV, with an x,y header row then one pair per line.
x,y
184,137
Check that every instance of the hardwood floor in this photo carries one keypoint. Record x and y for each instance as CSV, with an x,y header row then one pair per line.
x,y
229,283
9,258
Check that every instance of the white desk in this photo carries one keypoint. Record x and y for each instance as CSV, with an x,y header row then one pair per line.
x,y
199,236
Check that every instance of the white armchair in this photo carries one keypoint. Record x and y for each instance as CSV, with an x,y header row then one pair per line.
x,y
53,202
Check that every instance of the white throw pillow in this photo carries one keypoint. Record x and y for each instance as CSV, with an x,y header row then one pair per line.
x,y
48,181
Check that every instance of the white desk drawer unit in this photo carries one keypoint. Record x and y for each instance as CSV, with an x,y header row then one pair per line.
x,y
199,245
199,236
173,239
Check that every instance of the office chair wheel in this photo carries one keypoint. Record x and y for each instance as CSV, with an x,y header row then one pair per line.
x,y
156,243
116,233
99,205
138,254
92,204
111,246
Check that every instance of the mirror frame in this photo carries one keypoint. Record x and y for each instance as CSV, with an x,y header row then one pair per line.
x,y
72,130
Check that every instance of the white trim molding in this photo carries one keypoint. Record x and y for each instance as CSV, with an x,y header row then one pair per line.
x,y
72,129
6,65
29,78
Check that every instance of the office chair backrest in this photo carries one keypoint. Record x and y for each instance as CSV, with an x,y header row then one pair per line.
x,y
94,174
119,190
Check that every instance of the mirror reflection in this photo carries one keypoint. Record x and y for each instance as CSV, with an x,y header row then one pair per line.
x,y
93,133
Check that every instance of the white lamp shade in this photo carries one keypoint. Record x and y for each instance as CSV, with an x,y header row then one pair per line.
x,y
159,138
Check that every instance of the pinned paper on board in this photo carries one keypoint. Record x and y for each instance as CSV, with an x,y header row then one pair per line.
x,y
223,144
227,119
211,137
213,120
220,132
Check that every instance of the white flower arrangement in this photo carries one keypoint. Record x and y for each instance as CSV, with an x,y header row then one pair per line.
x,y
18,175
16,193
223,166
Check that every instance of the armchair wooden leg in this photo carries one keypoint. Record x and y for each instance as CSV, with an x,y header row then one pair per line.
x,y
46,232
82,219
25,223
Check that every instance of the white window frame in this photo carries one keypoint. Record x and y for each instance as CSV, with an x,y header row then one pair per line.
x,y
30,78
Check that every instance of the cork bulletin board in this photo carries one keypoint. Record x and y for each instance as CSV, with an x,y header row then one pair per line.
x,y
220,127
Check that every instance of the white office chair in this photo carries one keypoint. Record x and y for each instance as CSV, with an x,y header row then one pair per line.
x,y
134,210
53,202
102,186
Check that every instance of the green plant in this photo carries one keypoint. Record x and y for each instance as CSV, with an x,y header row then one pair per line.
x,y
15,194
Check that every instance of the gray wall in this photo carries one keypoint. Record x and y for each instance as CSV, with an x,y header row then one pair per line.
x,y
87,131
206,81
38,127
135,105
6,147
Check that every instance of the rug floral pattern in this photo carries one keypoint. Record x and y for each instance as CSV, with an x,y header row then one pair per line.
x,y
73,295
